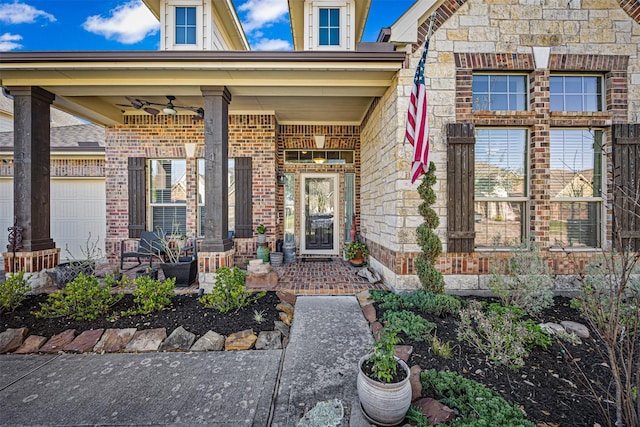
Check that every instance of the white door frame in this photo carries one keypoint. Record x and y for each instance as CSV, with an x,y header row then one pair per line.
x,y
336,219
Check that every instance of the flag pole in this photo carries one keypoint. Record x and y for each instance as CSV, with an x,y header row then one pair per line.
x,y
429,33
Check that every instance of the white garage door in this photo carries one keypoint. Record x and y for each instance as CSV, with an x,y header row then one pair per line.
x,y
78,210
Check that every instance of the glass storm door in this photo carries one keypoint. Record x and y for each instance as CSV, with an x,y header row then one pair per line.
x,y
319,214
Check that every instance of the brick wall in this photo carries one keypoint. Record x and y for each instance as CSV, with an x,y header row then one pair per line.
x,y
64,167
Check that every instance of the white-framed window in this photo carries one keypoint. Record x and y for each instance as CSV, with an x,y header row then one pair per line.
x,y
576,188
500,186
184,29
329,26
576,93
186,25
499,92
231,176
168,195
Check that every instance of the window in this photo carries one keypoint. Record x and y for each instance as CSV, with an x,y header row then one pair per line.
x,y
500,186
185,25
319,156
498,92
329,27
576,93
576,187
231,176
168,191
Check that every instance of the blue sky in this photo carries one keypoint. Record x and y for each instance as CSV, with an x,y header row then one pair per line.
x,y
46,25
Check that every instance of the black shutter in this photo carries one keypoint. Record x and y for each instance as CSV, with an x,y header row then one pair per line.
x,y
460,181
244,205
137,195
626,186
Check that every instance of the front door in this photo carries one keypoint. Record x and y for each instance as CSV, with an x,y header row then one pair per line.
x,y
319,214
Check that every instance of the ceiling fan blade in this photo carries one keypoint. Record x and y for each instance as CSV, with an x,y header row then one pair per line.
x,y
135,103
152,111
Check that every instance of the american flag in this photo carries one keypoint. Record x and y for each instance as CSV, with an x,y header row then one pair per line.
x,y
417,123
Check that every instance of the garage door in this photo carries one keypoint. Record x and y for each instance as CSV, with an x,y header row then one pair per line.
x,y
77,211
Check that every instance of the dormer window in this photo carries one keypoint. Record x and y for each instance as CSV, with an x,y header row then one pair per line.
x,y
329,27
186,25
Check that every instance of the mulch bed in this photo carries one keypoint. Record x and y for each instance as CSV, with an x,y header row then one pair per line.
x,y
548,387
185,311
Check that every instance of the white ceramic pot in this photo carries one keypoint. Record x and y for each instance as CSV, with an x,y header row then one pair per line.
x,y
386,404
262,238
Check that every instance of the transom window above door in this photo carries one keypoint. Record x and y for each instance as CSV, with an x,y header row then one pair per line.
x,y
499,92
319,156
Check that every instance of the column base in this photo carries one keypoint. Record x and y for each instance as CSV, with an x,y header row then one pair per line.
x,y
208,263
31,262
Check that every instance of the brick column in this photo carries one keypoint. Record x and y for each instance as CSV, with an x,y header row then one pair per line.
x,y
31,201
216,155
540,190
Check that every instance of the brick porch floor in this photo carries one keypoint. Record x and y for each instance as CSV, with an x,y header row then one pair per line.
x,y
334,277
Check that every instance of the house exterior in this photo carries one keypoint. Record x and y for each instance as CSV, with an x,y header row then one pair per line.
x,y
532,115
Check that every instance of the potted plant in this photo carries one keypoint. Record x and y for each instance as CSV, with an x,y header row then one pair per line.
x,y
355,252
261,230
177,264
383,381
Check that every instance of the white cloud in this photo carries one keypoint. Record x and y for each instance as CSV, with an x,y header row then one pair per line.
x,y
263,13
271,44
20,13
9,42
128,23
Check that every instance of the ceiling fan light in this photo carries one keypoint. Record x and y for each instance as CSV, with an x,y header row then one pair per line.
x,y
170,111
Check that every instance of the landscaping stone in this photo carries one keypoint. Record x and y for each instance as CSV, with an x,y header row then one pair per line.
x,y
114,340
31,345
577,328
285,318
369,312
11,339
269,340
551,328
243,340
376,330
364,298
404,352
416,384
84,342
435,411
264,281
285,307
57,342
211,341
146,340
287,297
282,328
179,340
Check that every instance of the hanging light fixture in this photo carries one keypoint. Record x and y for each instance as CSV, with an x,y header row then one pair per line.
x,y
169,109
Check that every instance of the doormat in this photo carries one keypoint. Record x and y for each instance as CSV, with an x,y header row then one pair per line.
x,y
317,259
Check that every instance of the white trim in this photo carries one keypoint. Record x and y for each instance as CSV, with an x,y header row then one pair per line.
x,y
347,25
336,222
168,42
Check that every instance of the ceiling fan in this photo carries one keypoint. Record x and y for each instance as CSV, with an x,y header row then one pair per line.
x,y
168,108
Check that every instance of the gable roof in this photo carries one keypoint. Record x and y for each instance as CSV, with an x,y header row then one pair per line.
x,y
82,137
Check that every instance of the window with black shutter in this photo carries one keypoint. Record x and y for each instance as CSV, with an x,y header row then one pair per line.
x,y
243,204
460,181
136,175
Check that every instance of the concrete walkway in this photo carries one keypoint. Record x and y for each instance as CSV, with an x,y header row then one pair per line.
x,y
251,388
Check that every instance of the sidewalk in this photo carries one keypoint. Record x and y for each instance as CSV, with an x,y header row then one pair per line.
x,y
328,336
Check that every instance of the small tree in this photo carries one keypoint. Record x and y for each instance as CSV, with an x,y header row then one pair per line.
x,y
430,278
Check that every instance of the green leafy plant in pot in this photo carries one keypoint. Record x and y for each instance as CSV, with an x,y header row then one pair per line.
x,y
261,230
383,381
355,252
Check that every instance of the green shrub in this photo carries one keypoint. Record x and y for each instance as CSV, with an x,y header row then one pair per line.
x,y
12,292
228,292
538,338
498,333
426,302
478,405
382,361
523,280
415,327
151,295
81,299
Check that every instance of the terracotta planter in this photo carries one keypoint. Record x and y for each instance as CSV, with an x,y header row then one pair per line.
x,y
385,404
357,260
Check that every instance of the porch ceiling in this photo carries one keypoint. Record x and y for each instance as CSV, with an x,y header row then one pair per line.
x,y
298,87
